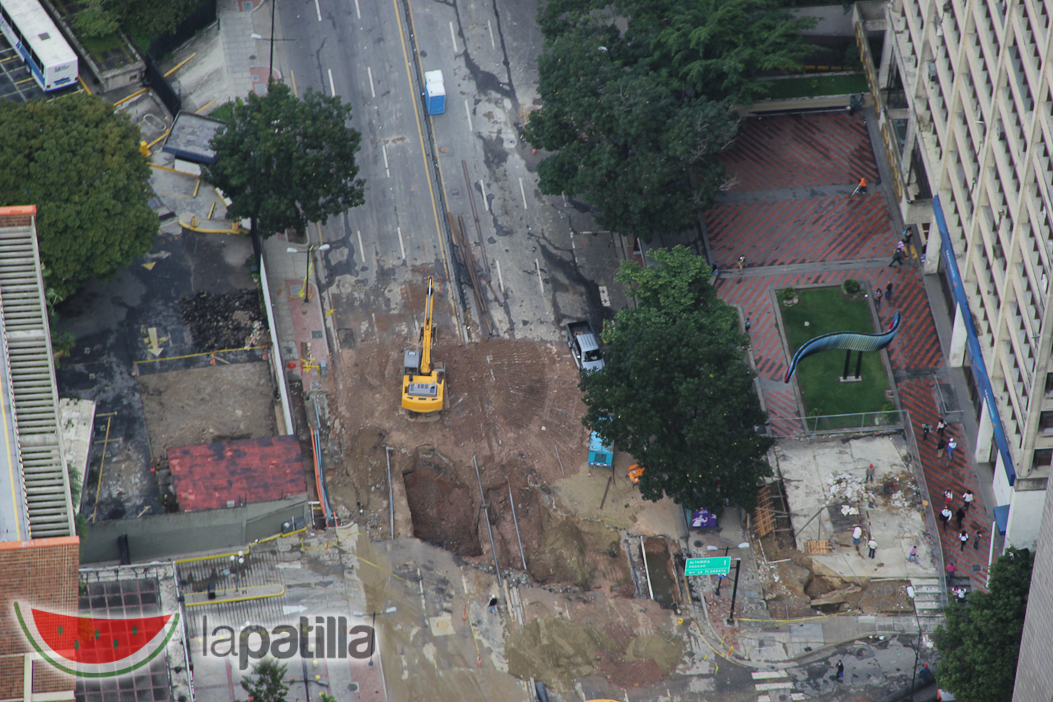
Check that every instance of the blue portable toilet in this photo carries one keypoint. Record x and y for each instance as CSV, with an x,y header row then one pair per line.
x,y
435,92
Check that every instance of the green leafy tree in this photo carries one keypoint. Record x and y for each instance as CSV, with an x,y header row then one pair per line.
x,y
286,161
675,392
624,141
144,19
266,684
78,161
980,641
638,95
718,48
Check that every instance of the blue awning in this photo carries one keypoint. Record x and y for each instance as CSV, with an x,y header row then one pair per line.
x,y
1001,513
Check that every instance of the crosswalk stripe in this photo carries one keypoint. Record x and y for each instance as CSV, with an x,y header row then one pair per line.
x,y
768,674
781,685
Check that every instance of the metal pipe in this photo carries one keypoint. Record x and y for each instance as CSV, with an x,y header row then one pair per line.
x,y
391,492
560,462
516,522
734,592
647,569
486,509
720,578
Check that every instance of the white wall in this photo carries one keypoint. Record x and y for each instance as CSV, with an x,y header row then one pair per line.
x,y
1025,518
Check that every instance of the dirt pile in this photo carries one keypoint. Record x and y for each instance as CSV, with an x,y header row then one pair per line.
x,y
224,321
558,652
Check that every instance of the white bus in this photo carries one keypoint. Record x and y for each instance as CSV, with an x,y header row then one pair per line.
x,y
30,30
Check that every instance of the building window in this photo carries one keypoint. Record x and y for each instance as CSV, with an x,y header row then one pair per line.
x,y
1043,457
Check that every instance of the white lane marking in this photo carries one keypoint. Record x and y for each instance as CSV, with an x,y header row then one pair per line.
x,y
482,186
318,9
361,249
572,246
372,90
468,111
332,86
768,674
384,150
491,28
540,284
523,192
453,35
781,685
401,245
500,278
358,10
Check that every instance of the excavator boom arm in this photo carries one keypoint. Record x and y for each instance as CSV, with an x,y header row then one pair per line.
x,y
426,332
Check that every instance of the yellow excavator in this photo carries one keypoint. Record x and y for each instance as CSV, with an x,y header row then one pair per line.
x,y
423,386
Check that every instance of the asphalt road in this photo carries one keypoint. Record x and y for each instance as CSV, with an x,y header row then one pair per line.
x,y
539,258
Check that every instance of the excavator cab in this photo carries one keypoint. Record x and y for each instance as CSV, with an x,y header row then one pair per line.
x,y
423,383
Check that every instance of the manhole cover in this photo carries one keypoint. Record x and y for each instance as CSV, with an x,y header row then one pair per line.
x,y
444,150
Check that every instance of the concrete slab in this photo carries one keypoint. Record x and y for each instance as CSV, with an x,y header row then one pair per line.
x,y
828,477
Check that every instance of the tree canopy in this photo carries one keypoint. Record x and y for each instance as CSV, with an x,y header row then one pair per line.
x,y
78,161
675,392
267,682
980,641
286,161
146,18
637,115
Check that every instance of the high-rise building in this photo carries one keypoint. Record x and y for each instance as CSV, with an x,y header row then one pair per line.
x,y
962,92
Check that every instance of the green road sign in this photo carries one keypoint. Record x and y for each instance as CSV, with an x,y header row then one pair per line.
x,y
707,566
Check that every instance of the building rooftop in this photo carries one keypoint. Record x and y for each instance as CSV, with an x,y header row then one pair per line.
x,y
215,476
34,482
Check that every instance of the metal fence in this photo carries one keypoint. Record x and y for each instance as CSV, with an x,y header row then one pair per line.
x,y
858,422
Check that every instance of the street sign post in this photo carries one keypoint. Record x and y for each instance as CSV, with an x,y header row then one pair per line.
x,y
707,566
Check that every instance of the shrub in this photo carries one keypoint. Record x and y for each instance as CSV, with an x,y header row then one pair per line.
x,y
851,286
787,294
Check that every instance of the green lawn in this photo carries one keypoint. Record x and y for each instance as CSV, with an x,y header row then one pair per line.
x,y
826,310
816,86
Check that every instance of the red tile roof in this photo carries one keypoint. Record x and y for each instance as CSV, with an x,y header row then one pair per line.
x,y
215,476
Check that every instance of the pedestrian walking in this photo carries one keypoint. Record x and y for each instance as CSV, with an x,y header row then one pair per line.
x,y
940,446
925,429
976,539
897,259
877,298
870,473
951,569
493,604
959,516
888,291
907,236
941,426
948,496
840,670
963,536
749,323
945,516
872,545
901,247
913,555
857,534
741,263
961,593
861,188
967,499
951,445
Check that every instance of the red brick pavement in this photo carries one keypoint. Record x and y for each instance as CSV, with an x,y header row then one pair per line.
x,y
802,230
810,150
794,151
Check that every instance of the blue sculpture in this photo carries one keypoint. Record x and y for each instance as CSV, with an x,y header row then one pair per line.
x,y
852,341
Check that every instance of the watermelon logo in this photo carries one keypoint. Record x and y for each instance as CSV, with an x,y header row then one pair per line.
x,y
95,647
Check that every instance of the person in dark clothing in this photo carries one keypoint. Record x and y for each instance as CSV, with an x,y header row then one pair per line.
x,y
840,670
897,259
749,323
888,291
925,429
959,516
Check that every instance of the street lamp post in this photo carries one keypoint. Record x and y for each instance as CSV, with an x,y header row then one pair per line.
x,y
307,268
373,647
235,563
744,544
917,641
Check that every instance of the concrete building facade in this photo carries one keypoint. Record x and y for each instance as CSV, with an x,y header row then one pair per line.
x,y
962,92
